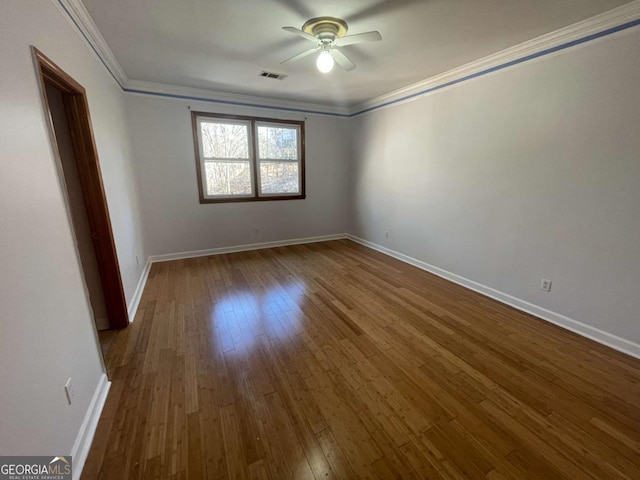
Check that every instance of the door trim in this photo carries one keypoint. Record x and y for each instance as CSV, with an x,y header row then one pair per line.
x,y
86,155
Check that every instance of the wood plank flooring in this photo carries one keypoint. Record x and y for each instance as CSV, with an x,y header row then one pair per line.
x,y
331,360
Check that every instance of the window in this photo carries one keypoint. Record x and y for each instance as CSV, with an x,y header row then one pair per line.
x,y
242,159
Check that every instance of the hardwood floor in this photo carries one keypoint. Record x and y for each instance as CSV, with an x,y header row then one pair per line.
x,y
331,360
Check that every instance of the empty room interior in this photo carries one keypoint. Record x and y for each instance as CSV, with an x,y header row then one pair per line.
x,y
350,239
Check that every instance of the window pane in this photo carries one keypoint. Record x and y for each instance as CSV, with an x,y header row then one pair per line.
x,y
279,177
277,143
224,140
228,178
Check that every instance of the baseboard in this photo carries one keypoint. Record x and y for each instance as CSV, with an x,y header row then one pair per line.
x,y
137,294
244,248
84,438
600,336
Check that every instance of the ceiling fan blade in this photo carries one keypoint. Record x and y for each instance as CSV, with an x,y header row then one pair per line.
x,y
301,55
297,31
342,60
359,38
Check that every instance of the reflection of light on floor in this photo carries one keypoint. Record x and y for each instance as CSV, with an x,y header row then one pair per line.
x,y
273,311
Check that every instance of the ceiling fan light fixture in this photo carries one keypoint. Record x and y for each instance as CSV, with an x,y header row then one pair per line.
x,y
329,34
325,61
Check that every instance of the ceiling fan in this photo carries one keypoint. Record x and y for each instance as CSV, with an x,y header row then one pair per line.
x,y
328,33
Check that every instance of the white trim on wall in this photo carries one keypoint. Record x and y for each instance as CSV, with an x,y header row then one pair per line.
x,y
608,23
80,18
135,302
137,294
245,248
82,445
233,99
595,334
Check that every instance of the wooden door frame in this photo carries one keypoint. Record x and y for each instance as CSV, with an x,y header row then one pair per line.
x,y
86,155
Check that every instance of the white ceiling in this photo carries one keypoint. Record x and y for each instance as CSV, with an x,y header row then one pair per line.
x,y
223,45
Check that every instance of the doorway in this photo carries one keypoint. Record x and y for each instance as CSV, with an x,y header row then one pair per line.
x,y
79,169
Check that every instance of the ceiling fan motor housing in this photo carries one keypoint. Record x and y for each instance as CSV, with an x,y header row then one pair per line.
x,y
325,29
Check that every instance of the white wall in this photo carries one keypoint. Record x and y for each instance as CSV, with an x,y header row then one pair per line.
x,y
175,221
46,332
118,175
527,173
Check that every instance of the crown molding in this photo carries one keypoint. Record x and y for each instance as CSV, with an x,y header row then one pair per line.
x,y
80,17
601,25
234,99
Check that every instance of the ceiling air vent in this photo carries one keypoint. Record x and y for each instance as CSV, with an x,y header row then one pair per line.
x,y
276,76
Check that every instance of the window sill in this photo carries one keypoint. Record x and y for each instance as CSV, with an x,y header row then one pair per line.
x,y
253,199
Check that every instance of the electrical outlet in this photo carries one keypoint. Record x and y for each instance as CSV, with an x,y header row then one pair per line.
x,y
68,389
137,261
257,231
386,234
545,285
